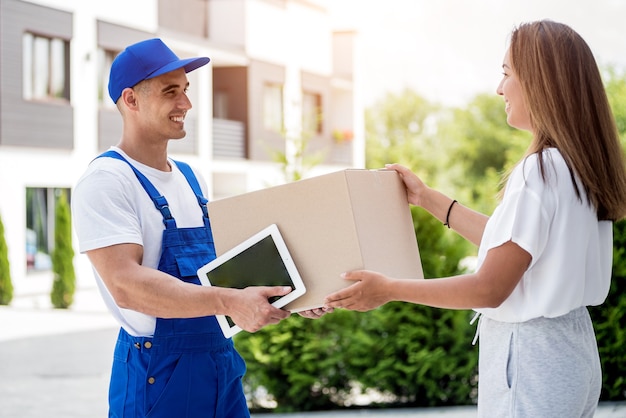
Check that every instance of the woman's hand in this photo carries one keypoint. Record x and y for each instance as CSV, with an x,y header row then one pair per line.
x,y
369,291
315,313
415,187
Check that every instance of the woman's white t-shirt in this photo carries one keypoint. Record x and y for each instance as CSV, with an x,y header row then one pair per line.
x,y
109,207
571,250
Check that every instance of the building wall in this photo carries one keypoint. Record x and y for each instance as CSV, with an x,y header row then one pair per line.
x,y
54,119
48,145
262,139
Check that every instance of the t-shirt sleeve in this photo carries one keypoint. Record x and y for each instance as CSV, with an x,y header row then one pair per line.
x,y
524,215
103,211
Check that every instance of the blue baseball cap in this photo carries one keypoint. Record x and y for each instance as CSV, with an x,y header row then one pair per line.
x,y
144,60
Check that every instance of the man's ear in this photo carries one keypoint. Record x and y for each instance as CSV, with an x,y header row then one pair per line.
x,y
129,98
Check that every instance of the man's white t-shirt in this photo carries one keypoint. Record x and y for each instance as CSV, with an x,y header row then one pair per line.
x,y
109,207
571,250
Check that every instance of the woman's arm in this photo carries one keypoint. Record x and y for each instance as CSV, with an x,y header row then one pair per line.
x,y
468,223
491,285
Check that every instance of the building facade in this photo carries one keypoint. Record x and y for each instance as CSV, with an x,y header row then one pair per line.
x,y
278,100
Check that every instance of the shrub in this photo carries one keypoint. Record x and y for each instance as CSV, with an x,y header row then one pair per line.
x,y
409,354
610,323
6,285
64,283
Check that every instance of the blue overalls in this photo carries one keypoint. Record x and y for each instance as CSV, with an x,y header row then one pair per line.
x,y
187,369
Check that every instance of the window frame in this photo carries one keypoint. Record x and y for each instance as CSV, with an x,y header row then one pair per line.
x,y
46,68
312,113
273,110
105,60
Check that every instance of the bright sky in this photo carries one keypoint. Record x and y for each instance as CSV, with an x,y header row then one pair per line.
x,y
450,50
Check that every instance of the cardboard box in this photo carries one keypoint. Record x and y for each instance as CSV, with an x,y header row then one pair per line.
x,y
348,220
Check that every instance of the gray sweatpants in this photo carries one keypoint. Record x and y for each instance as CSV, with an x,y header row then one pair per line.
x,y
542,368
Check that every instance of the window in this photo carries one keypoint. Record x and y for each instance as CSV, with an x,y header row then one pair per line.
x,y
46,68
105,59
311,113
273,107
40,219
220,104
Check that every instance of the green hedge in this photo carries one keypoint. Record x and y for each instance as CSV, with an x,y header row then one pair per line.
x,y
407,354
6,285
610,323
64,282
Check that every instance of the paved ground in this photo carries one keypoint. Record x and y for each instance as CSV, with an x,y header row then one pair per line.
x,y
55,363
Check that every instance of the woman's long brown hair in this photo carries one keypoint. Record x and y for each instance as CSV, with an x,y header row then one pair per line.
x,y
569,110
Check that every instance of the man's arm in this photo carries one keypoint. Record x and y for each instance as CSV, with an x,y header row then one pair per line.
x,y
159,294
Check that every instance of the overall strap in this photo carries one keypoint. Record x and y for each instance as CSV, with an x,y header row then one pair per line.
x,y
195,186
159,200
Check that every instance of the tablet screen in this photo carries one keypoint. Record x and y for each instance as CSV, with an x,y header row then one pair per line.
x,y
260,263
261,260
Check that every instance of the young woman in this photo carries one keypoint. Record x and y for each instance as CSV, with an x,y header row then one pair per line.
x,y
545,254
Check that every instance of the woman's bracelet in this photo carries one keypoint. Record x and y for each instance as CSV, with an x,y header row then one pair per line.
x,y
448,214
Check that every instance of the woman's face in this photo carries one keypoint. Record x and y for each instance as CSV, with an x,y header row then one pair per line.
x,y
511,90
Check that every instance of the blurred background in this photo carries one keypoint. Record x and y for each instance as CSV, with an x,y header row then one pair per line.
x,y
295,88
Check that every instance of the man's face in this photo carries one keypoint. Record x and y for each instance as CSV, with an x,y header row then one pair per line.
x,y
163,104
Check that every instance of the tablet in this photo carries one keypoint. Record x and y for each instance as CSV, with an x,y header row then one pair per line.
x,y
261,260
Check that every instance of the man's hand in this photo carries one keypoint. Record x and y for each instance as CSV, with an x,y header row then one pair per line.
x,y
250,309
315,313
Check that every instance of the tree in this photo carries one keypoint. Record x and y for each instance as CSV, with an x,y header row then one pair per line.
x,y
399,129
610,323
296,161
609,319
6,285
616,90
64,282
480,148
